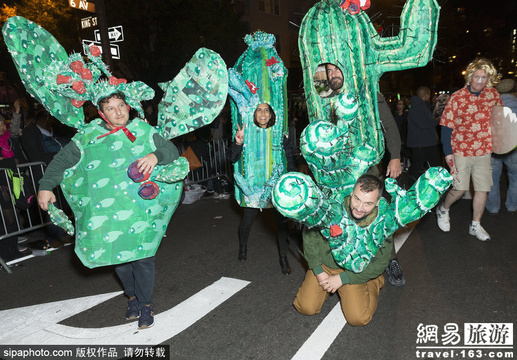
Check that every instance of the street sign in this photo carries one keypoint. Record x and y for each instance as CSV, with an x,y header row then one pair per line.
x,y
82,5
114,49
89,22
115,34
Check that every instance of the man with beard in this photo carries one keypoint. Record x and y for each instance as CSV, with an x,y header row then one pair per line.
x,y
334,78
358,292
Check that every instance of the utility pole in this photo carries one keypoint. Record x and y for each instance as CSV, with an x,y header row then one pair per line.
x,y
103,30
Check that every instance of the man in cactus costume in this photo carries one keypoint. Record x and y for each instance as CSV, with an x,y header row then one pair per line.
x,y
341,34
121,177
358,292
344,137
261,151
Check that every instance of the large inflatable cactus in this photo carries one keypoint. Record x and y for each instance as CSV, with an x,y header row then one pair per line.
x,y
116,221
344,137
258,77
347,39
296,196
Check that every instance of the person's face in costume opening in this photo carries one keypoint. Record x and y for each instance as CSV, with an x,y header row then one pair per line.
x,y
478,80
116,112
334,77
262,115
363,203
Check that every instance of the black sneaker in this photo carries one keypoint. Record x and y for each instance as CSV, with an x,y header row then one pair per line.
x,y
146,319
395,275
132,312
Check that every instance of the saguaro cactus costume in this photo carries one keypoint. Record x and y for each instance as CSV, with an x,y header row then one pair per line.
x,y
344,138
258,77
116,219
348,39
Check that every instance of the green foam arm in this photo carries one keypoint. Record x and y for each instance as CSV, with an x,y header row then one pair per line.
x,y
297,197
414,46
58,217
425,194
175,171
195,96
34,50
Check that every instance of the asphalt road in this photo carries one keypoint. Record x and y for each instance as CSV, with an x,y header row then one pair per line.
x,y
451,279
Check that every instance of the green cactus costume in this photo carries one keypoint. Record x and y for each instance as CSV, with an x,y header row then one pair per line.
x,y
114,224
296,196
330,34
258,77
344,138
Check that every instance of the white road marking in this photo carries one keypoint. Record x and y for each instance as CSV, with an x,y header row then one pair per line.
x,y
318,343
38,324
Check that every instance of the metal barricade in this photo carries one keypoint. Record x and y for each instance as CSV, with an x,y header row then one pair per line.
x,y
14,220
215,166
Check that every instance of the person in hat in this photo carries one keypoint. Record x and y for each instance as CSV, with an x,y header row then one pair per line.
x,y
493,204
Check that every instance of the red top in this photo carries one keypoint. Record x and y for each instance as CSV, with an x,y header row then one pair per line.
x,y
468,116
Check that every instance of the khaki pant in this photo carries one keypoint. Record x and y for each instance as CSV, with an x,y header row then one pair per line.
x,y
358,302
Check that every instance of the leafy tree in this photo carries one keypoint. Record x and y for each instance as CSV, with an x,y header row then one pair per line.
x,y
55,16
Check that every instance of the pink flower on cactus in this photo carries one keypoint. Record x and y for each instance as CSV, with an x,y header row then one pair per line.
x,y
335,230
354,6
272,61
77,103
252,87
77,66
95,50
61,79
79,87
115,81
86,74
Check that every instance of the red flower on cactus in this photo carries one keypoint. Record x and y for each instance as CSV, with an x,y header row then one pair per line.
x,y
115,81
61,79
77,103
252,87
77,66
79,87
95,50
272,61
335,230
86,74
354,6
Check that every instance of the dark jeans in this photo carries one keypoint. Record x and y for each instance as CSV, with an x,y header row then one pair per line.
x,y
138,279
281,225
420,158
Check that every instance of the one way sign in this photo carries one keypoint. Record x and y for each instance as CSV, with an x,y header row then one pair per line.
x,y
115,34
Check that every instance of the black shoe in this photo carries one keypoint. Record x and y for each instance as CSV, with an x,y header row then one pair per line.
x,y
395,275
284,265
243,252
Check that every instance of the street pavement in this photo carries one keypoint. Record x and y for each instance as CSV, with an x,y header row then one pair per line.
x,y
215,307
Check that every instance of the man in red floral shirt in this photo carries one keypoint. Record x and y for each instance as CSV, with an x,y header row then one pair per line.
x,y
467,142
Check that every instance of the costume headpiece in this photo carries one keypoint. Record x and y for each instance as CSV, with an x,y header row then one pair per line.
x,y
54,78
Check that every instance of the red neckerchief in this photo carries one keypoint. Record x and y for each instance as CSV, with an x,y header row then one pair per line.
x,y
128,133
